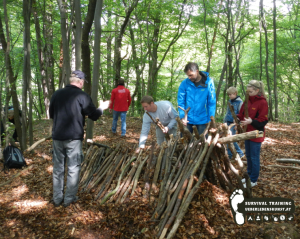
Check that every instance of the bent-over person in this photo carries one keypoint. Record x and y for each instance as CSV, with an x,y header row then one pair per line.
x,y
165,112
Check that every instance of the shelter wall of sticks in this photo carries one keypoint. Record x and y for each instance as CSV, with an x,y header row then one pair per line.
x,y
169,174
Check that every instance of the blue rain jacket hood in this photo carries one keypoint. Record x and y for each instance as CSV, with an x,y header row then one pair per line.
x,y
201,99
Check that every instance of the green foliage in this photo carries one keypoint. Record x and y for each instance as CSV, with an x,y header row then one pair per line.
x,y
163,17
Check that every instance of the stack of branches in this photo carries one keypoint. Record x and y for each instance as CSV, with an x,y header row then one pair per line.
x,y
172,173
203,155
110,173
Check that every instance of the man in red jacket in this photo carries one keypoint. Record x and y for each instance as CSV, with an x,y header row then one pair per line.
x,y
120,102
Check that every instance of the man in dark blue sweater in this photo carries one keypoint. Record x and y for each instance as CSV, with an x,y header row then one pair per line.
x,y
68,108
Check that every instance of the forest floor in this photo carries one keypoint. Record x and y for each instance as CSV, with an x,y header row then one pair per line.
x,y
25,211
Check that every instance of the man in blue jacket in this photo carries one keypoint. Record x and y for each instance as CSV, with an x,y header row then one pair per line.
x,y
198,92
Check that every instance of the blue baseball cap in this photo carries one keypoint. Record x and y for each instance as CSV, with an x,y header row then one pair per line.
x,y
79,74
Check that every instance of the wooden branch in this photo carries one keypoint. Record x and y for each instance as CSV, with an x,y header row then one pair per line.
x,y
281,166
288,161
213,124
17,175
160,125
239,128
184,130
37,143
246,113
195,130
91,142
119,180
240,137
185,112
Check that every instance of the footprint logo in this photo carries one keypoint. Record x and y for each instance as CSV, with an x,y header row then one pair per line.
x,y
236,198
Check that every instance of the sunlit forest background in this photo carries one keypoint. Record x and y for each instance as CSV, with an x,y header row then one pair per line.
x,y
148,43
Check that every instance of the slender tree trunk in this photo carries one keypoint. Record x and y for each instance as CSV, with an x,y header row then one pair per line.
x,y
48,82
266,60
9,71
26,71
41,59
78,35
224,69
109,70
96,67
275,60
85,47
66,70
118,46
214,38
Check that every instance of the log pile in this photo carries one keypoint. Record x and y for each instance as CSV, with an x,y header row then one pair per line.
x,y
171,174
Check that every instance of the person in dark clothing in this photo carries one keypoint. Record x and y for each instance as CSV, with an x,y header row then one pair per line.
x,y
10,115
68,108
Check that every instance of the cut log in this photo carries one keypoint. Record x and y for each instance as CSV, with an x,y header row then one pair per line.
x,y
239,137
281,166
91,142
288,161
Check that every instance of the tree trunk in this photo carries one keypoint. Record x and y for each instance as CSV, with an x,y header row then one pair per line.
x,y
118,46
214,38
40,51
96,67
85,48
78,35
9,71
66,70
26,71
270,114
275,60
48,82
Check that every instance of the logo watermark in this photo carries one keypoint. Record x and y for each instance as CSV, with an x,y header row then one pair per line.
x,y
275,209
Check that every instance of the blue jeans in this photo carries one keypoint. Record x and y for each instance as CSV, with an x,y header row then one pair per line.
x,y
253,161
236,146
200,127
116,115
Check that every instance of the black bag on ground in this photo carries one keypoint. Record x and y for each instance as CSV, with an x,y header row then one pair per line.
x,y
13,158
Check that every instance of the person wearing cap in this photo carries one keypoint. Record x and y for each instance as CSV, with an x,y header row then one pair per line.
x,y
120,102
68,108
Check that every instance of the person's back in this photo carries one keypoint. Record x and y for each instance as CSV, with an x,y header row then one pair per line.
x,y
68,108
120,101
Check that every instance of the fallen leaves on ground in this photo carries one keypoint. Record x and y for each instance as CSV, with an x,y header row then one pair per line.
x,y
26,211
